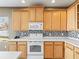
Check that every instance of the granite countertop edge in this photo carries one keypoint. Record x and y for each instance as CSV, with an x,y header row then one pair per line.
x,y
70,40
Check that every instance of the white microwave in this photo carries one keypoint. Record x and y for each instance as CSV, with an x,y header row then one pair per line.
x,y
36,26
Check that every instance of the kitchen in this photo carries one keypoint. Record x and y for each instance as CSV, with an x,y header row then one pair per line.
x,y
39,29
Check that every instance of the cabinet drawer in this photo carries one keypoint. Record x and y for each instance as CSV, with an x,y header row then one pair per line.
x,y
12,43
21,42
48,43
58,43
69,46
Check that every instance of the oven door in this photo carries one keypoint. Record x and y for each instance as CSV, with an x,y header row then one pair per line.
x,y
35,47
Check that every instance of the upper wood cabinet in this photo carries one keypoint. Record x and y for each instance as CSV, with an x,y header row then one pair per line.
x,y
56,21
23,49
16,20
12,46
48,50
63,20
47,20
32,14
39,14
20,20
36,14
24,20
71,18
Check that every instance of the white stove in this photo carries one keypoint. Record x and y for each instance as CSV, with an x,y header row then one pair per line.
x,y
35,47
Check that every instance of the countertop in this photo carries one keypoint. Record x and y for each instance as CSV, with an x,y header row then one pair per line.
x,y
70,40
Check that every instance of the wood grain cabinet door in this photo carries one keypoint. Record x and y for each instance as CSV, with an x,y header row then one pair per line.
x,y
48,50
16,20
24,20
59,50
76,55
12,46
32,14
71,19
56,21
39,14
23,49
69,53
47,20
63,21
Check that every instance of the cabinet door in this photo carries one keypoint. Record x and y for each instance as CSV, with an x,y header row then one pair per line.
x,y
71,19
48,50
16,20
63,21
39,14
32,14
12,46
56,21
24,20
58,50
76,55
76,50
23,49
69,53
47,20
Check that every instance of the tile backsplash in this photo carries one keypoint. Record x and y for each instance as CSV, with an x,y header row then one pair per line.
x,y
55,33
74,34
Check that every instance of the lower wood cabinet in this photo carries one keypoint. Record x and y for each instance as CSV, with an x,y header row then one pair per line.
x,y
76,53
69,51
19,46
12,46
48,50
54,50
59,50
22,47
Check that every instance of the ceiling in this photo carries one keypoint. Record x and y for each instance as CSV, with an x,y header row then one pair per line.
x,y
46,3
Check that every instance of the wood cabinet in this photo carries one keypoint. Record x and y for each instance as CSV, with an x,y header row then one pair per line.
x,y
69,51
36,14
47,20
16,20
23,49
18,46
12,46
76,53
54,50
20,20
39,14
24,20
63,20
59,50
56,21
48,50
32,14
71,18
